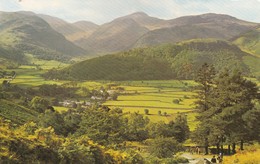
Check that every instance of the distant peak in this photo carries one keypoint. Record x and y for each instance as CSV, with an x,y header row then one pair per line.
x,y
139,14
209,15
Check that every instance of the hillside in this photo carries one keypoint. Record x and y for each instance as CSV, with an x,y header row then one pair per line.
x,y
115,36
193,27
141,30
249,41
31,34
16,113
168,61
72,31
10,57
57,39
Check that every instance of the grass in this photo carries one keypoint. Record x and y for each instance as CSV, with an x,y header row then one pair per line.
x,y
251,155
60,109
140,95
26,76
137,95
45,64
16,113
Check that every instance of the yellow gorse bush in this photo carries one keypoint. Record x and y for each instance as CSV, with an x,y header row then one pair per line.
x,y
249,157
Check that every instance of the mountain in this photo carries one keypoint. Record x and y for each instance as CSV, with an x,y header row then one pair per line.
x,y
141,30
72,31
51,38
118,35
193,27
168,61
87,27
145,20
26,32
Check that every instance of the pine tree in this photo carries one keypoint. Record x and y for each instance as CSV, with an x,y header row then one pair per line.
x,y
225,106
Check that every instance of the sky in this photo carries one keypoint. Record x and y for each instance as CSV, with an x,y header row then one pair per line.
x,y
102,11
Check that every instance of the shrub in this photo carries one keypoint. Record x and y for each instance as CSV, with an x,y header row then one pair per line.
x,y
176,101
159,113
146,111
164,147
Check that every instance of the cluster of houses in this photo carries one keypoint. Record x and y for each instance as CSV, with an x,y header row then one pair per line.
x,y
95,99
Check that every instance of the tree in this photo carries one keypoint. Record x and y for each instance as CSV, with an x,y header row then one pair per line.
x,y
180,128
136,124
55,120
146,111
229,100
102,126
39,104
205,78
164,147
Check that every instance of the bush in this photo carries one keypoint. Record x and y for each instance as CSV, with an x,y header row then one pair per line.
x,y
176,101
181,159
164,147
159,113
146,111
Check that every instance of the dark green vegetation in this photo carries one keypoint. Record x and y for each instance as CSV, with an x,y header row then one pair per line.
x,y
168,61
96,134
27,33
16,113
228,110
10,58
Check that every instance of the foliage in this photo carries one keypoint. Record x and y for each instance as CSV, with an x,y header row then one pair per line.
x,y
101,126
16,113
178,129
54,90
146,111
229,103
162,62
136,124
29,143
250,157
39,104
164,147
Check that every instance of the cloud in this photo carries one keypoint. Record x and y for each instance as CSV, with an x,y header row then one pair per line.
x,y
101,11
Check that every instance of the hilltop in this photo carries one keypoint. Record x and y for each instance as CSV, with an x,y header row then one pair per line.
x,y
51,37
141,30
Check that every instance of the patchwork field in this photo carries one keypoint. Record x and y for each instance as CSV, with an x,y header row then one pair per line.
x,y
163,99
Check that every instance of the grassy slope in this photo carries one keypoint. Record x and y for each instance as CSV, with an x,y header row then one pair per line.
x,y
17,114
162,62
250,42
29,33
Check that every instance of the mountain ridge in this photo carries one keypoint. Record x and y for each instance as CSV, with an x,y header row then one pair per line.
x,y
160,31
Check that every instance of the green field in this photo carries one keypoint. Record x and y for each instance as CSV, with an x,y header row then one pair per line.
x,y
157,97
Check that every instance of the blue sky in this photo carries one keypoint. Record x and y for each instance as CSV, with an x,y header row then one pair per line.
x,y
102,11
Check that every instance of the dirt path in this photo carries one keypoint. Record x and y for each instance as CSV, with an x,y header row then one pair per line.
x,y
195,159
